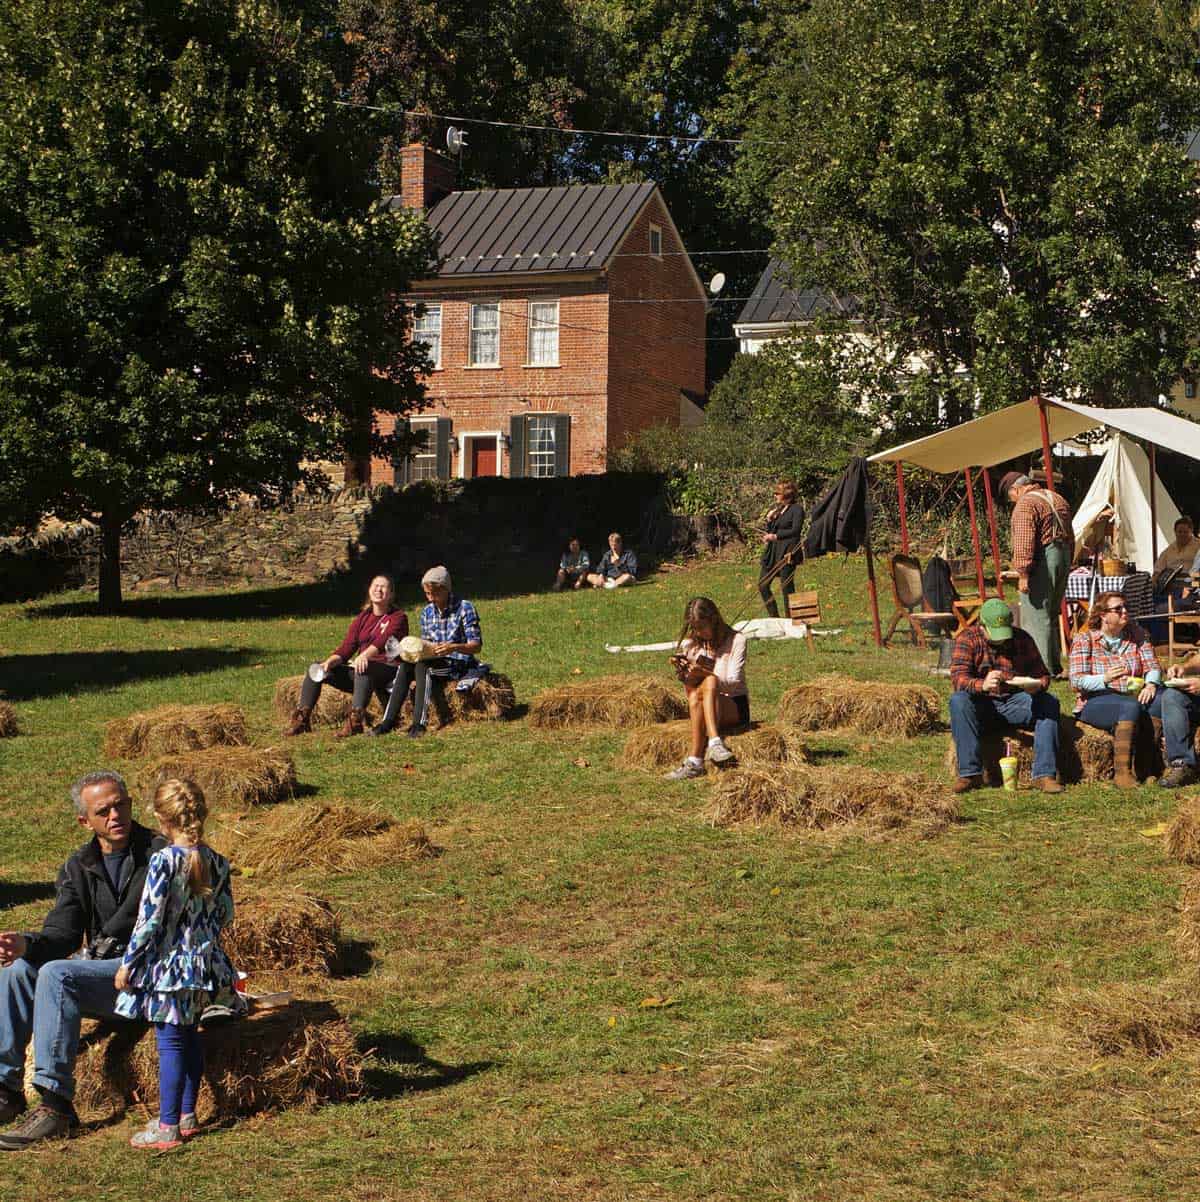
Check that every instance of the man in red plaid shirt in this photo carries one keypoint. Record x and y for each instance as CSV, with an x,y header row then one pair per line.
x,y
988,656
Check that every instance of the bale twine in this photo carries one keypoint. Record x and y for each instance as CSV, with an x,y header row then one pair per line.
x,y
620,701
301,1055
332,708
171,729
229,776
868,706
8,721
656,748
1182,840
290,930
818,798
1084,753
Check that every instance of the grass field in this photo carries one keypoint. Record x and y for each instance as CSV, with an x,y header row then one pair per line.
x,y
850,1017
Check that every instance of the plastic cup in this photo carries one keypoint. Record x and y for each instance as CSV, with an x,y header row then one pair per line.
x,y
1136,684
1008,772
316,673
392,647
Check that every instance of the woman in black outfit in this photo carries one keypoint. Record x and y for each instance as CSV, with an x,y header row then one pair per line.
x,y
781,545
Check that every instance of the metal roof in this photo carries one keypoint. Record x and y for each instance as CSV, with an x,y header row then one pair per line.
x,y
773,301
571,228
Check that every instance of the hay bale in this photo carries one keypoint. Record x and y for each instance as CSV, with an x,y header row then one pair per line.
x,y
1182,840
620,701
228,775
301,1055
868,706
320,838
287,931
657,748
818,798
8,721
1084,753
1187,937
332,708
491,699
171,729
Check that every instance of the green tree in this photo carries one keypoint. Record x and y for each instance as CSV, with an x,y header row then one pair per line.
x,y
1002,187
197,293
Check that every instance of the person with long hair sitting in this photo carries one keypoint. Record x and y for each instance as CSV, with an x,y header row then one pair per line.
x,y
711,663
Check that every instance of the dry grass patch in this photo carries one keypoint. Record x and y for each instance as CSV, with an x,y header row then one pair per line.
x,y
301,1055
236,776
320,838
619,701
8,721
287,931
332,708
171,729
819,798
1124,1019
1182,839
1084,753
656,748
868,706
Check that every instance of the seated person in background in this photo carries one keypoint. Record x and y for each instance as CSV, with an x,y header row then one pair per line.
x,y
1105,657
360,665
1180,717
987,656
451,624
573,567
617,566
1183,551
711,662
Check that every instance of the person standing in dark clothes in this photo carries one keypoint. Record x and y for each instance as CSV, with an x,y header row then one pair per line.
x,y
781,545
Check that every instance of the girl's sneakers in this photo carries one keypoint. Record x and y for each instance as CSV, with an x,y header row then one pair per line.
x,y
188,1126
157,1138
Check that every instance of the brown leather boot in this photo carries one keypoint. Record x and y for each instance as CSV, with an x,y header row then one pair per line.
x,y
964,784
354,725
301,721
1047,784
1124,741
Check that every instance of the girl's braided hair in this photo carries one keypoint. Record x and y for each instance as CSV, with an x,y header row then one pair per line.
x,y
182,804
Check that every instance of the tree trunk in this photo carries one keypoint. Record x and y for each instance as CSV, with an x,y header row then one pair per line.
x,y
110,562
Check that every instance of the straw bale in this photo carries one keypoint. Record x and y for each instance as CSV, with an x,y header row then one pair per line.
x,y
620,701
1084,753
320,838
170,729
868,706
491,699
817,798
228,775
301,1055
8,721
332,708
1182,840
290,930
656,748
1187,936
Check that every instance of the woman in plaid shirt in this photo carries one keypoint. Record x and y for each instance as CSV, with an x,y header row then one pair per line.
x,y
1107,655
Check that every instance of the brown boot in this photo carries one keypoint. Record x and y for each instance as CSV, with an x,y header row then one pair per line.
x,y
964,784
1047,784
301,721
354,725
991,748
1124,742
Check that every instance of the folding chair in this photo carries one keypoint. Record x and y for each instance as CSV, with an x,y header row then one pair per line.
x,y
1186,617
805,608
909,595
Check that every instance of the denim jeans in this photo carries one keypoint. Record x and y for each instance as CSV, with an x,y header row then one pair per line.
x,y
1105,710
1180,716
976,714
46,1005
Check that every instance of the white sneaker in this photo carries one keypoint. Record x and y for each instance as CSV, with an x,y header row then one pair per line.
x,y
610,584
719,753
686,771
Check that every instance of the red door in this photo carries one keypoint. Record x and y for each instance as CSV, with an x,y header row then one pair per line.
x,y
483,457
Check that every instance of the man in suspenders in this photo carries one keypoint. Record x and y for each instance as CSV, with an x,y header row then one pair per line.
x,y
1042,546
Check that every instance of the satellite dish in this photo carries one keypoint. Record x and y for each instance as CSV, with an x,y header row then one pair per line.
x,y
456,139
716,283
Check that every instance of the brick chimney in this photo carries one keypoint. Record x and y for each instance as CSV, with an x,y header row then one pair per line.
x,y
425,176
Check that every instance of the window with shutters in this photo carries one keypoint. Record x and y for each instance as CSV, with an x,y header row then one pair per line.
x,y
543,334
428,329
424,465
540,445
485,336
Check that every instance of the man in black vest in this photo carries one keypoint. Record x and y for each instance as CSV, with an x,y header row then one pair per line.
x,y
51,979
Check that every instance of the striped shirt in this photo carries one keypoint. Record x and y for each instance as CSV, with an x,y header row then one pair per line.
x,y
1039,518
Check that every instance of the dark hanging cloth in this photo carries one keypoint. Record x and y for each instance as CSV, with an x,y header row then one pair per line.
x,y
840,517
937,584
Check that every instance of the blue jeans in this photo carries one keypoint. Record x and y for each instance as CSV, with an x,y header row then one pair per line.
x,y
1180,716
1105,710
180,1065
976,714
46,1005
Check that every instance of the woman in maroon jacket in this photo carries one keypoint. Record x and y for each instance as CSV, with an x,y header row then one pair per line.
x,y
360,665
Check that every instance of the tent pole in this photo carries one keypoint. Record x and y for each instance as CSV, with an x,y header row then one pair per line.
x,y
975,533
903,508
1153,506
1047,460
991,515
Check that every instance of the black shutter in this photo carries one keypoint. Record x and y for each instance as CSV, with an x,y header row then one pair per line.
x,y
443,448
562,444
401,463
516,452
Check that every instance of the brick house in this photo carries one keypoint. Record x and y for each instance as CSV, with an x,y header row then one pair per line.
x,y
561,321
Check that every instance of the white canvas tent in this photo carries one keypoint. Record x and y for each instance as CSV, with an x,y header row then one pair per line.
x,y
1122,486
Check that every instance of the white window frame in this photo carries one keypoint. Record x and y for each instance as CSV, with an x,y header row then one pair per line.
x,y
427,426
530,419
471,328
430,311
656,234
464,460
530,361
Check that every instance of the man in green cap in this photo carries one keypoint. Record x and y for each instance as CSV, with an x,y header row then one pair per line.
x,y
987,656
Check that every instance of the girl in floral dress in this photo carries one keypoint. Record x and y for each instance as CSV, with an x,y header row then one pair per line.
x,y
174,966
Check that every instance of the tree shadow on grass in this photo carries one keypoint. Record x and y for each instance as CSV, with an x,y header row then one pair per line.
x,y
27,677
402,1067
18,893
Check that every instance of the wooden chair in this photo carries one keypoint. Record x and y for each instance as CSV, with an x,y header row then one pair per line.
x,y
909,594
1187,617
805,608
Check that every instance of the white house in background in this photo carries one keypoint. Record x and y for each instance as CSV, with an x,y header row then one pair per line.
x,y
776,310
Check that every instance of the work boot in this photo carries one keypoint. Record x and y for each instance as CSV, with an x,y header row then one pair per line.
x,y
991,748
1047,784
354,725
12,1105
301,721
1124,743
41,1123
1178,776
964,784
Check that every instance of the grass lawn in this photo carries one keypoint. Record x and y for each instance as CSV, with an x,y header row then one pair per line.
x,y
852,1018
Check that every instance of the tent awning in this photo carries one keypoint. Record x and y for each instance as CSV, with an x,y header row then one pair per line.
x,y
1007,433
